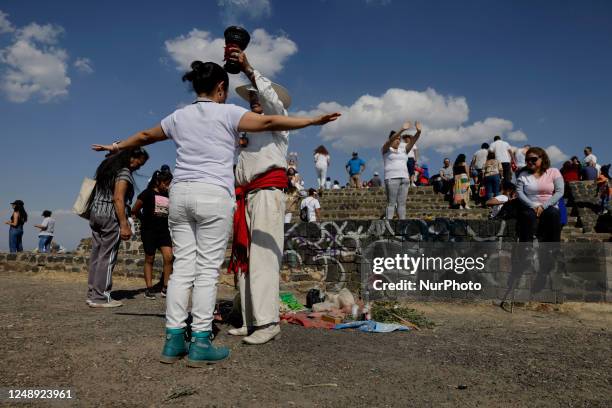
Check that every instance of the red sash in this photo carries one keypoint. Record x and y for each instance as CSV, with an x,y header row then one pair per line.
x,y
241,244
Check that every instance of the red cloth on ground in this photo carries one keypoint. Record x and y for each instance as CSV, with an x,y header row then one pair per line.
x,y
303,319
239,260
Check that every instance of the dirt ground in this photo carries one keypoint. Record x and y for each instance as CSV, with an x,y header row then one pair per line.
x,y
476,356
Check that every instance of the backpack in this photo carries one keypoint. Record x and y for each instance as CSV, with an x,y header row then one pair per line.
x,y
304,214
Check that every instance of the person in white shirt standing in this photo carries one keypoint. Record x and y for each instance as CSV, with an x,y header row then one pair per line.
x,y
395,156
519,156
589,156
261,177
47,229
311,203
590,159
504,155
321,159
478,161
202,202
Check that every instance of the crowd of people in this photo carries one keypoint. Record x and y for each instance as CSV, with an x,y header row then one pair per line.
x,y
187,215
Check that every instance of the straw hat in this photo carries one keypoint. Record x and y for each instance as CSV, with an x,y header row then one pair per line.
x,y
281,91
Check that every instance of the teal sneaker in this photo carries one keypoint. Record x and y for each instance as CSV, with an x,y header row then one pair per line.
x,y
175,347
202,352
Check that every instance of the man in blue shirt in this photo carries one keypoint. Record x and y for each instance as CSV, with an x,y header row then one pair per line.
x,y
355,167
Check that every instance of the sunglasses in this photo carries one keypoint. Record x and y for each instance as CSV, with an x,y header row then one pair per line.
x,y
533,159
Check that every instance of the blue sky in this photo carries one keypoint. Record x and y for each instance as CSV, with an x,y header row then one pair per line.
x,y
75,73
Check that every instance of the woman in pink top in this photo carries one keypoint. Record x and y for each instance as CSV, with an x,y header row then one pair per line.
x,y
539,188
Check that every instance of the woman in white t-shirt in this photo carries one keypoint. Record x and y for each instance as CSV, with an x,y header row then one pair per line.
x,y
202,201
321,159
397,180
47,229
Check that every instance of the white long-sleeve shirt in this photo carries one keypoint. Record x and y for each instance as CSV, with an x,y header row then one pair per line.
x,y
265,150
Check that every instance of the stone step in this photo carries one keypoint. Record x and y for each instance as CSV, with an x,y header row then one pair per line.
x,y
380,200
378,206
588,237
427,214
375,191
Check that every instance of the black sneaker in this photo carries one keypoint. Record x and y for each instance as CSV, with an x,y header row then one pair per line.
x,y
157,287
164,291
148,294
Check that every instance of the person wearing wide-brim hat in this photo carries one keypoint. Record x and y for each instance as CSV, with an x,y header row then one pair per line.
x,y
261,178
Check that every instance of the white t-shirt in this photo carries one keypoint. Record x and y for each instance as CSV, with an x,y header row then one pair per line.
x,y
312,204
265,150
336,187
495,210
480,157
205,134
395,162
50,224
328,184
321,160
412,152
500,148
519,154
590,158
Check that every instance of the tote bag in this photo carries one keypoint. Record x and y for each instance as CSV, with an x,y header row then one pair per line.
x,y
81,205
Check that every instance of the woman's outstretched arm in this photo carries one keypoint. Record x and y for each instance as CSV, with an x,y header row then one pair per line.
x,y
142,138
252,122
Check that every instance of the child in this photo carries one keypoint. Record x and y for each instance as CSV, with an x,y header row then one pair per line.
x,y
508,194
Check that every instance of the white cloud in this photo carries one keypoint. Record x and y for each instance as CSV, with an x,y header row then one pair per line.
x,y
374,164
84,65
233,10
367,122
45,34
5,25
517,136
34,66
267,53
555,154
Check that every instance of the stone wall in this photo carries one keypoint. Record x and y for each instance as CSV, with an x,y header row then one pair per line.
x,y
585,202
332,255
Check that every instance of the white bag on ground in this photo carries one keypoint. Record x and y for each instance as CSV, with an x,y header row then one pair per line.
x,y
81,205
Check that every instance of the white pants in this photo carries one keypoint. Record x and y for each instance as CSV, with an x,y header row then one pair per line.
x,y
259,288
397,191
200,220
321,176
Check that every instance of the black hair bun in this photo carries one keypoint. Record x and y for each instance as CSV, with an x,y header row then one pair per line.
x,y
196,69
197,66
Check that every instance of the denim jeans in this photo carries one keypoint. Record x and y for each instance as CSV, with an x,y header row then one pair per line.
x,y
492,186
15,237
200,219
44,243
397,190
